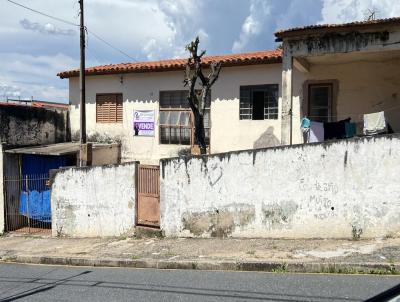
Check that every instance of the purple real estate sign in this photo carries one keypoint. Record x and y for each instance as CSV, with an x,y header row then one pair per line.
x,y
143,122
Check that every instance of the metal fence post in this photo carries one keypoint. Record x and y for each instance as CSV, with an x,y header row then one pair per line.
x,y
27,203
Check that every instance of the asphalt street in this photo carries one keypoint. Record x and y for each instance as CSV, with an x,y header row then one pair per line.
x,y
58,283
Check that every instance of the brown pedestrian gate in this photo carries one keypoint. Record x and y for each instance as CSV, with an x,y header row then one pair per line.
x,y
148,204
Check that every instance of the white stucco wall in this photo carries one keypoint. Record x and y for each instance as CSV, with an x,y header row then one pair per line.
x,y
94,201
141,91
333,190
2,212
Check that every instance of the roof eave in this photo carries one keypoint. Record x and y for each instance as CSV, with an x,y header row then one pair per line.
x,y
75,73
325,29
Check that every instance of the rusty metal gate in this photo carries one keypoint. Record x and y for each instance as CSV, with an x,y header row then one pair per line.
x,y
148,204
27,204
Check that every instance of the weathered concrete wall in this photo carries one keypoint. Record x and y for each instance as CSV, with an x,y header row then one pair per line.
x,y
344,189
141,91
2,213
94,201
349,40
25,126
107,154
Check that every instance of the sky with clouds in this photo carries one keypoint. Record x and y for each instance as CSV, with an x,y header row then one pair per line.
x,y
35,48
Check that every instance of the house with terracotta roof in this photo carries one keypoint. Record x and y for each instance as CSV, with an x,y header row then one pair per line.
x,y
326,73
334,72
117,94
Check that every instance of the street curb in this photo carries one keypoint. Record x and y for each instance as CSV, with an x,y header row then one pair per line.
x,y
229,265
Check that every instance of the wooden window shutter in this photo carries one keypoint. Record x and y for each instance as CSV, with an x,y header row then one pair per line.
x,y
109,108
119,108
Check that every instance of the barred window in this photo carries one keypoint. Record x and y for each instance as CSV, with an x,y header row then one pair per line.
x,y
259,102
109,108
176,120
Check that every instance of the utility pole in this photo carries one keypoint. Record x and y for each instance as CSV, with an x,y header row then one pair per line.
x,y
85,150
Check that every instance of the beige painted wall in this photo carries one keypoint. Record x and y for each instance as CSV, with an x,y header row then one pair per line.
x,y
364,87
107,154
141,92
228,132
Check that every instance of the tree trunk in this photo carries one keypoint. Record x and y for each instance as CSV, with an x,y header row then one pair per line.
x,y
199,133
198,102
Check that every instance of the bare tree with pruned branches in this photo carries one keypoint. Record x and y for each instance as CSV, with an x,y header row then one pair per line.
x,y
371,14
198,97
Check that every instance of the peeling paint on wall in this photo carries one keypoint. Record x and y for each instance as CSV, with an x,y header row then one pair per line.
x,y
338,42
219,222
94,201
279,215
341,189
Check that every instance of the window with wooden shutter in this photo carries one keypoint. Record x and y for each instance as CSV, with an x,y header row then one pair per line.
x,y
109,108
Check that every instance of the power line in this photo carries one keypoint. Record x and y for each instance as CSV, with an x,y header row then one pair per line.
x,y
112,46
73,24
44,14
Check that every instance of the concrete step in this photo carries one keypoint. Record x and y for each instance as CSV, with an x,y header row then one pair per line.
x,y
147,232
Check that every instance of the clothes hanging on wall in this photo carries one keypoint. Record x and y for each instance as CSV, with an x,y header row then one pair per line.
x,y
336,130
305,123
317,134
351,130
305,129
374,123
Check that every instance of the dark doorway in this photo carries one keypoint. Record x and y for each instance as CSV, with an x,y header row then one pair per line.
x,y
258,105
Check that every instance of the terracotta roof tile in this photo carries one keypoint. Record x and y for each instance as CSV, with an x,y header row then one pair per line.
x,y
300,30
48,105
240,59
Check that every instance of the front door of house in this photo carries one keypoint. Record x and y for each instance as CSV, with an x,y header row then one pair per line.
x,y
148,204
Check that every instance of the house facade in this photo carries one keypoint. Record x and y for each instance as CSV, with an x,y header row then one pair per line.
x,y
327,73
231,124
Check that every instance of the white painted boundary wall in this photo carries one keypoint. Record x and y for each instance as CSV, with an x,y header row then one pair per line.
x,y
2,212
344,189
94,201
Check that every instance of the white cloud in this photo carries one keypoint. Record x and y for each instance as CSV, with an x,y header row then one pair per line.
x,y
47,28
146,30
8,91
339,11
182,17
253,25
27,76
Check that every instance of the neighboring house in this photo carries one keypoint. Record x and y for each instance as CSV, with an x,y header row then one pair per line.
x,y
35,138
33,123
326,72
23,124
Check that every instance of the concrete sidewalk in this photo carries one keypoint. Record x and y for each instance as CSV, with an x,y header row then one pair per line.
x,y
379,256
